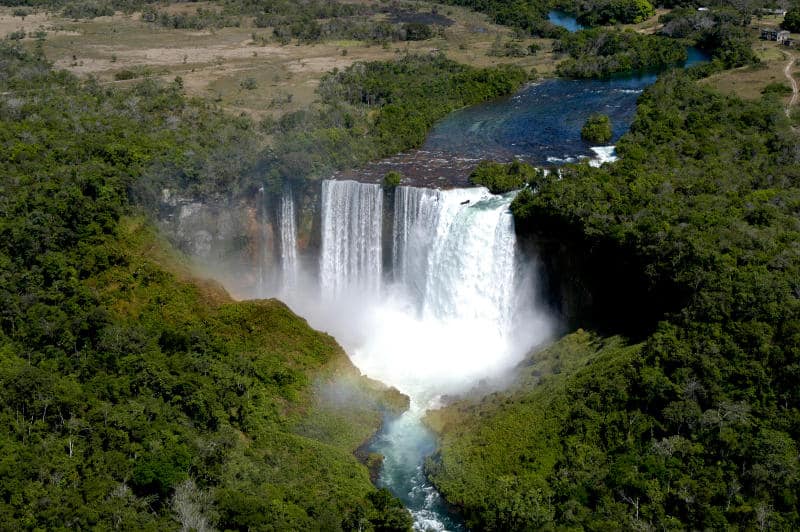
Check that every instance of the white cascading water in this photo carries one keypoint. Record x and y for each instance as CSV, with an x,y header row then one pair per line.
x,y
459,309
415,209
288,237
351,258
456,282
264,273
455,262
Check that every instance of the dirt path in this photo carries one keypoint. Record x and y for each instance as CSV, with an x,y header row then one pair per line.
x,y
788,73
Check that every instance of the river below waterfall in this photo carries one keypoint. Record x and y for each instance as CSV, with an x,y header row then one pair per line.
x,y
456,305
425,286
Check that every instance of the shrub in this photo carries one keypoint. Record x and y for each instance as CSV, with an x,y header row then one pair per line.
x,y
392,179
597,129
777,88
416,31
131,73
17,35
500,178
88,10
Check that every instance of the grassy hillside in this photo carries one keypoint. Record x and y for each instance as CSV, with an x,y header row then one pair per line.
x,y
697,427
132,395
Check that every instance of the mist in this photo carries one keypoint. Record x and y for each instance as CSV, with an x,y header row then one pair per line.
x,y
459,306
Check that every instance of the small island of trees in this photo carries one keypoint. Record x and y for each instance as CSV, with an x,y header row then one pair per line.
x,y
597,129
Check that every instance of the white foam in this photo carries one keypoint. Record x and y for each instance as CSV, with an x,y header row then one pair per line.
x,y
603,154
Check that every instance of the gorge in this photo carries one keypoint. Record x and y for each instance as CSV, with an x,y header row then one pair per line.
x,y
427,289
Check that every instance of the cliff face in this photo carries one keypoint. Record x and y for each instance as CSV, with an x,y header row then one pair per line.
x,y
237,240
594,284
231,238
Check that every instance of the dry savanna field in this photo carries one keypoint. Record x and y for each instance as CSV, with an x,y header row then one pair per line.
x,y
246,70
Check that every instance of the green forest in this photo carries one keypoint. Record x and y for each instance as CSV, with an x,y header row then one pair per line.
x,y
133,395
696,423
598,53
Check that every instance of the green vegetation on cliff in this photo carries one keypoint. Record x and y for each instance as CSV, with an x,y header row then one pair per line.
x,y
697,426
503,177
131,394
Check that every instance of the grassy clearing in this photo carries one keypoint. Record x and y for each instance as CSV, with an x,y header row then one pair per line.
x,y
245,70
749,82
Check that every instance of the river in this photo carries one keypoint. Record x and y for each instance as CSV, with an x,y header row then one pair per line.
x,y
458,303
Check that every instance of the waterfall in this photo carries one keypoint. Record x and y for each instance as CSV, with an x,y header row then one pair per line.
x,y
449,319
454,253
416,212
288,235
264,272
351,259
451,322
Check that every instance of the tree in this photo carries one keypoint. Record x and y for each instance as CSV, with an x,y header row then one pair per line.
x,y
392,179
618,12
597,129
791,21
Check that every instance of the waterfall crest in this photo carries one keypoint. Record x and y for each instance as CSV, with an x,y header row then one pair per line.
x,y
351,257
454,253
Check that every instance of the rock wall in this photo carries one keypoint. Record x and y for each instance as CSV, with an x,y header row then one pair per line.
x,y
236,240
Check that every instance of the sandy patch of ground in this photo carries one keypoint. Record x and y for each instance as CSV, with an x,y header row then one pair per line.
x,y
9,23
319,64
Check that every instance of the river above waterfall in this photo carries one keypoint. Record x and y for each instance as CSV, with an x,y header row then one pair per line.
x,y
541,124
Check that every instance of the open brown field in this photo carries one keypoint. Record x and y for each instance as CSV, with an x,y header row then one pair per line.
x,y
244,69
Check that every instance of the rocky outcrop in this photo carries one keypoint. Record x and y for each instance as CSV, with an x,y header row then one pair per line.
x,y
229,238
